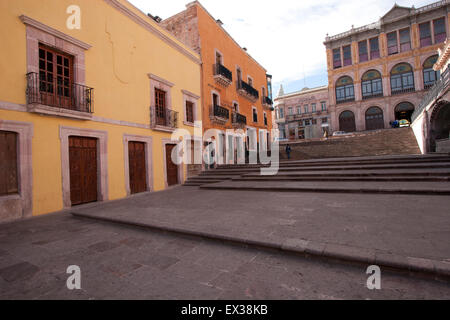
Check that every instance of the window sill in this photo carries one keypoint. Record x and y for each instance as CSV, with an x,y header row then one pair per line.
x,y
164,129
15,196
58,112
190,124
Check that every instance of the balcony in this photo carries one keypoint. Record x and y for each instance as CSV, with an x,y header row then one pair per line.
x,y
401,90
163,119
267,103
372,95
238,120
344,100
247,91
219,114
222,75
58,97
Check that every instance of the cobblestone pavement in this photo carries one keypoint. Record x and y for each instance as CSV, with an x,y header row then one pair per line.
x,y
119,262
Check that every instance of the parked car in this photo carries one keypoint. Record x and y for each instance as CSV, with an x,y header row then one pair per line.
x,y
340,133
404,123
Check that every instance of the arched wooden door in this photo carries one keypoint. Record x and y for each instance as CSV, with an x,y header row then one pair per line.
x,y
374,119
347,121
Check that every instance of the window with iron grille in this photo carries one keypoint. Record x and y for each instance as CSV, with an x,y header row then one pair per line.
x,y
429,75
55,77
8,161
160,105
189,112
402,78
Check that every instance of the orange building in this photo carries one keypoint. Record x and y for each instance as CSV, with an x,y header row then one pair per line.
x,y
380,72
236,89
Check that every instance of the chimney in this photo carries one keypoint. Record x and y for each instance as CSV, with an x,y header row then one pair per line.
x,y
219,22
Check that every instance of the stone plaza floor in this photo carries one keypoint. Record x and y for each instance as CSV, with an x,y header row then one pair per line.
x,y
127,262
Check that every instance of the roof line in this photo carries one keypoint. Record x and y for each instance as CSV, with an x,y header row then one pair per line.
x,y
196,2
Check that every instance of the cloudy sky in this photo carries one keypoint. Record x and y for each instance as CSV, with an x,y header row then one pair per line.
x,y
286,36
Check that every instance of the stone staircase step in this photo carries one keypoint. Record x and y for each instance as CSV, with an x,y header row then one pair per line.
x,y
374,187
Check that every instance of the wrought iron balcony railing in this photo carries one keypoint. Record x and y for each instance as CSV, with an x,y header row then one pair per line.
x,y
59,93
372,95
220,70
400,91
433,93
221,112
163,117
267,101
248,90
344,100
239,119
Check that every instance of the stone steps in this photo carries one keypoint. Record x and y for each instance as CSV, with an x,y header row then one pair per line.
x,y
372,187
371,143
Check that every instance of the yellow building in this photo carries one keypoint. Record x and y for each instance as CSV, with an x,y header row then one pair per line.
x,y
90,93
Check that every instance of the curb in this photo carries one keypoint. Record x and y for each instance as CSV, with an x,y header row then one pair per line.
x,y
437,269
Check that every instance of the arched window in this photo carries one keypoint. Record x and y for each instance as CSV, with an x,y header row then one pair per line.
x,y
402,79
345,90
374,119
371,84
429,75
347,121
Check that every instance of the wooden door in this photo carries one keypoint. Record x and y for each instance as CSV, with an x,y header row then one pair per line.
x,y
8,163
138,170
347,122
56,78
172,168
83,170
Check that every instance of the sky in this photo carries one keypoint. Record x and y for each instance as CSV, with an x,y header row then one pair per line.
x,y
286,36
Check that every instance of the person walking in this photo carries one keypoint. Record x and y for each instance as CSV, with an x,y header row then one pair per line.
x,y
288,151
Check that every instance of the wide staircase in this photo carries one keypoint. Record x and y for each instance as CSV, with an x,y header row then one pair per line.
x,y
370,143
402,174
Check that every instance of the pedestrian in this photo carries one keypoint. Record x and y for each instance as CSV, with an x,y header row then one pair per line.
x,y
288,151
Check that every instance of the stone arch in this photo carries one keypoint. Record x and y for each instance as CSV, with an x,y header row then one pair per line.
x,y
404,111
439,124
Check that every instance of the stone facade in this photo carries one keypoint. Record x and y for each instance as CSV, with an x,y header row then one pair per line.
x,y
378,70
303,114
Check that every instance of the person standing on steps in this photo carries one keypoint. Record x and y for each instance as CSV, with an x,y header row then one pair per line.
x,y
288,151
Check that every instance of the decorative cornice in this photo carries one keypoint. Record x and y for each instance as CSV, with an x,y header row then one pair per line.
x,y
444,55
190,94
149,27
40,26
159,79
